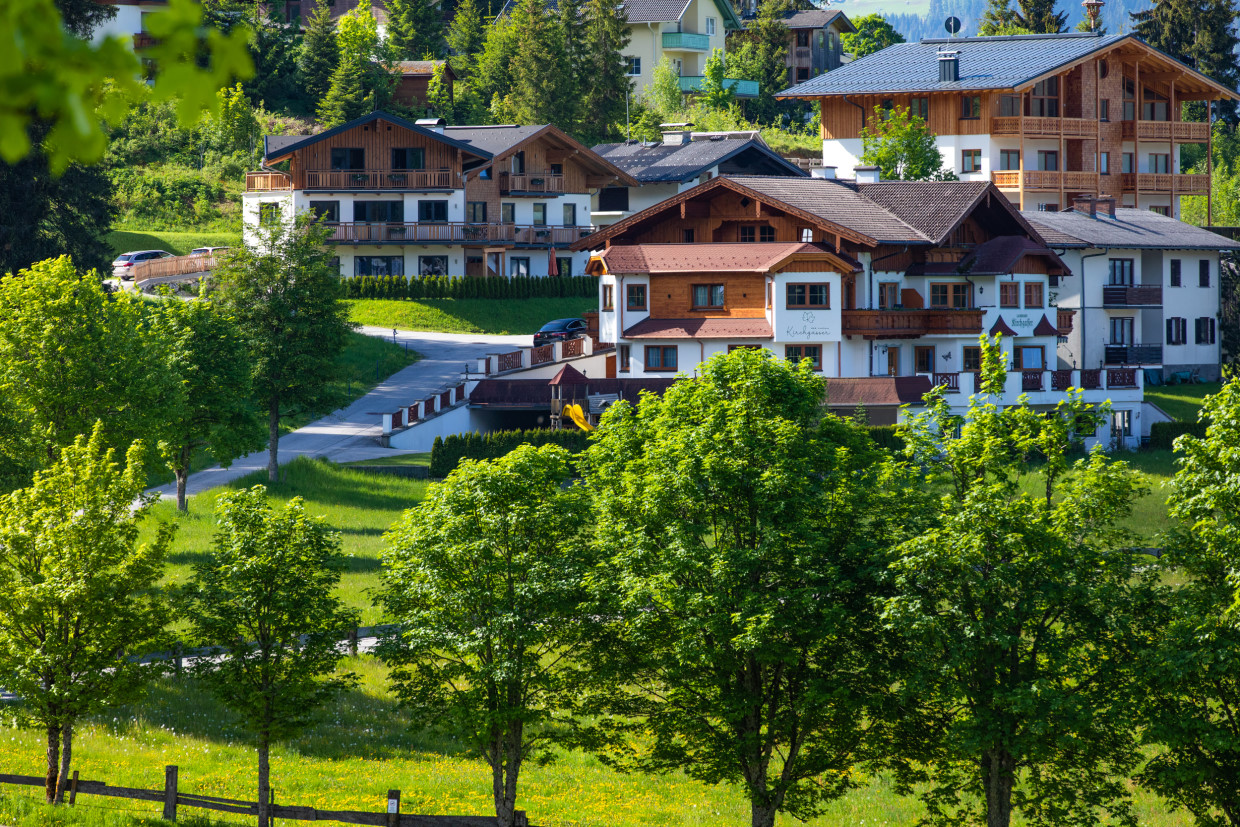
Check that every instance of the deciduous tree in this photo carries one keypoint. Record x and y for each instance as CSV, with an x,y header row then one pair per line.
x,y
873,34
901,146
717,95
665,96
762,51
487,581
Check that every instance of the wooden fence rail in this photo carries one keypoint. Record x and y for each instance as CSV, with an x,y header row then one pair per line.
x,y
171,798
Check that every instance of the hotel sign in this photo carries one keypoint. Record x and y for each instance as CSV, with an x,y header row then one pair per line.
x,y
810,326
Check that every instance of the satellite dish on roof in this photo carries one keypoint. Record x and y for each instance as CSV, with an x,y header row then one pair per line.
x,y
952,24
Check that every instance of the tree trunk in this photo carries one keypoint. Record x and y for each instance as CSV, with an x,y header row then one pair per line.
x,y
761,815
273,446
505,769
66,759
182,479
264,781
53,762
999,776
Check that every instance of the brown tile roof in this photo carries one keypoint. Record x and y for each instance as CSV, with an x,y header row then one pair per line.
x,y
933,208
706,258
1001,326
1045,328
877,390
994,257
569,375
700,329
837,202
536,393
816,19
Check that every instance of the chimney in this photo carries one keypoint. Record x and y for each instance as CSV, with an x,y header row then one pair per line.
x,y
949,66
867,175
1107,203
822,172
677,134
433,124
1085,204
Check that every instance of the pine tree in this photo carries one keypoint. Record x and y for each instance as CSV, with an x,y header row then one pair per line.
x,y
320,53
1000,19
540,82
465,38
605,95
415,29
1039,17
1199,33
438,96
493,67
576,57
346,99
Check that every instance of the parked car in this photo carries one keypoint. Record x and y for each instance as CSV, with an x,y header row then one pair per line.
x,y
206,251
560,330
123,266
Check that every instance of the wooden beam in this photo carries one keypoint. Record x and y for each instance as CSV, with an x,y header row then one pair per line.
x,y
1209,163
1136,140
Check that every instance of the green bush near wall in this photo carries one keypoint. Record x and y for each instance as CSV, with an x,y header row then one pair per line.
x,y
448,452
885,436
1163,434
459,287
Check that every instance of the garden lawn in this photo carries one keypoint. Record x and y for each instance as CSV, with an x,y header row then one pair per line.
x,y
179,244
1181,402
500,316
420,460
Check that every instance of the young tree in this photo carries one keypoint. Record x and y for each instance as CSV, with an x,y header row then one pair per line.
x,y
362,81
901,146
486,579
1191,677
493,69
745,533
284,294
1040,17
264,603
717,95
439,102
761,53
204,349
465,37
346,98
608,86
665,95
78,594
319,53
873,34
1021,607
1000,19
415,29
275,45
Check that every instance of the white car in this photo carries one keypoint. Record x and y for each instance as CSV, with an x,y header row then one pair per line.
x,y
207,251
123,266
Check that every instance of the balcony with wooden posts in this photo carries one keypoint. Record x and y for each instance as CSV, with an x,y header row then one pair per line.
x,y
1036,179
1178,131
909,324
352,179
539,183
1178,183
143,40
1138,296
686,42
1032,127
267,181
412,232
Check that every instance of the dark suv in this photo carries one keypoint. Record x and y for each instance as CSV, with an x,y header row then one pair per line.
x,y
559,330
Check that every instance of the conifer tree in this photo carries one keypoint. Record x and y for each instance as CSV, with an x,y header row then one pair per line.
x,y
359,74
603,100
415,29
438,96
762,58
1040,17
1000,19
493,67
576,55
540,78
346,99
1199,33
465,37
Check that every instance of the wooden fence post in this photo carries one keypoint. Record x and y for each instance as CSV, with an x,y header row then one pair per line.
x,y
73,788
178,659
170,792
353,642
393,808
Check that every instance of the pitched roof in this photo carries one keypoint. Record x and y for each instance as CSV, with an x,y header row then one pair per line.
x,y
710,258
278,146
1130,228
1045,328
421,67
499,140
669,162
817,19
994,257
1008,62
569,375
877,390
700,329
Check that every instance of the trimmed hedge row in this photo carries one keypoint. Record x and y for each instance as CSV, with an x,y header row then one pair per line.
x,y
448,452
885,436
459,287
1163,434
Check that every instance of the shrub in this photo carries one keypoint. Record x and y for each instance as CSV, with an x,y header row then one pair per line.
x,y
885,436
447,452
1163,434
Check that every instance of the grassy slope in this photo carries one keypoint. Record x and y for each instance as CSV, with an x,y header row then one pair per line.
x,y
1181,402
180,244
365,362
467,315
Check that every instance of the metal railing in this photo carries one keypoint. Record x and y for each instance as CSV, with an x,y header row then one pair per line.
x,y
1132,355
1136,296
686,40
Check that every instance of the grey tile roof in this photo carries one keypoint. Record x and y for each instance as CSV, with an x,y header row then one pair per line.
x,y
815,19
985,63
931,207
1129,228
655,11
662,163
492,139
275,145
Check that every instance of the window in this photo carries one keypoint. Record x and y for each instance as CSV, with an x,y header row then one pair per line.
x,y
1029,357
971,160
1104,68
326,211
803,38
919,108
1161,210
1049,206
806,234
1044,100
1204,330
540,215
887,106
1033,294
609,297
508,213
1104,163
1009,106
570,215
1160,162
432,265
409,158
624,357
888,295
1119,272
795,353
636,297
1176,277
613,199
972,361
1122,330
971,107
564,266
686,236
1009,294
632,65
345,158
1177,330
1153,106
923,359
748,234
1048,160
433,212
707,295
710,27
802,74
809,295
1121,424
517,163
519,266
766,234
1009,159
378,265
476,212
1104,109
268,212
951,295
1130,100
660,357
1203,273
1127,162
555,169
379,212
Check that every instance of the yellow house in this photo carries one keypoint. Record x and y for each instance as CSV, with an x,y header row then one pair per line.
x,y
687,32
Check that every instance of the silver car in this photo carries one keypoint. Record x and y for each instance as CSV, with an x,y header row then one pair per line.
x,y
123,266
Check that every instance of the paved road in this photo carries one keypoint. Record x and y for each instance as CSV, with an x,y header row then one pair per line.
x,y
351,433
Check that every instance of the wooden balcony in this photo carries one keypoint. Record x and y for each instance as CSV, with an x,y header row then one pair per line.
x,y
1071,180
1178,131
542,183
143,40
1178,183
909,324
949,381
378,179
1043,127
390,232
1063,320
1132,355
1139,296
267,181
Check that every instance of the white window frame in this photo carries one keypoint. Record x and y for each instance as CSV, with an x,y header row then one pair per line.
x,y
710,27
632,65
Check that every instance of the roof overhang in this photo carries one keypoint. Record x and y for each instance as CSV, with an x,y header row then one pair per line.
x,y
284,152
587,156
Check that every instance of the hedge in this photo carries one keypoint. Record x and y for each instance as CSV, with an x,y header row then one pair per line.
x,y
448,452
885,436
467,287
1163,434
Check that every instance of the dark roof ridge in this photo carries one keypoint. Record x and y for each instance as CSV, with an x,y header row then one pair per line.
x,y
994,37
377,115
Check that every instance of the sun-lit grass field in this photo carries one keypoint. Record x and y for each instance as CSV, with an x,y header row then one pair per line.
x,y
467,315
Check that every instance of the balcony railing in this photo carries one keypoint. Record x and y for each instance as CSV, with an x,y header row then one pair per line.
x,y
1063,320
541,183
1061,380
1031,380
1195,182
1132,355
1035,381
686,41
950,381
1183,131
902,324
1121,378
395,232
1036,179
1038,127
143,40
1141,296
267,181
742,88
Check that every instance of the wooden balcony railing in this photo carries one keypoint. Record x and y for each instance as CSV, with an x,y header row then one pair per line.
x,y
1121,378
1031,380
902,324
539,183
1061,380
394,232
1180,131
1140,296
1091,379
378,179
1063,320
1039,127
542,354
1195,182
159,268
573,347
1132,355
1035,179
143,40
267,181
951,381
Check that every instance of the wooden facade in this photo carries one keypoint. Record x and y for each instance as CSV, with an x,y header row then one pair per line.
x,y
671,296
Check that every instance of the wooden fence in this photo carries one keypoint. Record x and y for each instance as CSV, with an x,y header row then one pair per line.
x,y
171,797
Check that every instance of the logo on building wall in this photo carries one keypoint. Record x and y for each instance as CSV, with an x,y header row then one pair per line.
x,y
808,328
1022,321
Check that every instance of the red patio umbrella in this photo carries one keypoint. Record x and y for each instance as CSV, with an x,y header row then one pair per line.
x,y
553,266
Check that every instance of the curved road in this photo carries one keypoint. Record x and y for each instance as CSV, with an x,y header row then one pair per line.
x,y
351,433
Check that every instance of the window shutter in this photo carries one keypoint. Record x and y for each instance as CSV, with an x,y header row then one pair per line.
x,y
1171,331
1211,331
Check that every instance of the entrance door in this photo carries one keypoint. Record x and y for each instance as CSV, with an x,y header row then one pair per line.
x,y
475,266
893,361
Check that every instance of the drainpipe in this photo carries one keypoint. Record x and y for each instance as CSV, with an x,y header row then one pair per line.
x,y
1084,326
859,106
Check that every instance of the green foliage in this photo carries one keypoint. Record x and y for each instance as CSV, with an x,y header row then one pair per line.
x,y
167,197
465,37
759,54
902,147
606,85
320,54
1199,33
77,592
264,602
542,86
448,452
415,29
744,532
487,580
1000,19
716,95
1040,17
1164,434
361,81
469,287
873,34
1020,605
886,436
235,129
439,95
664,93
